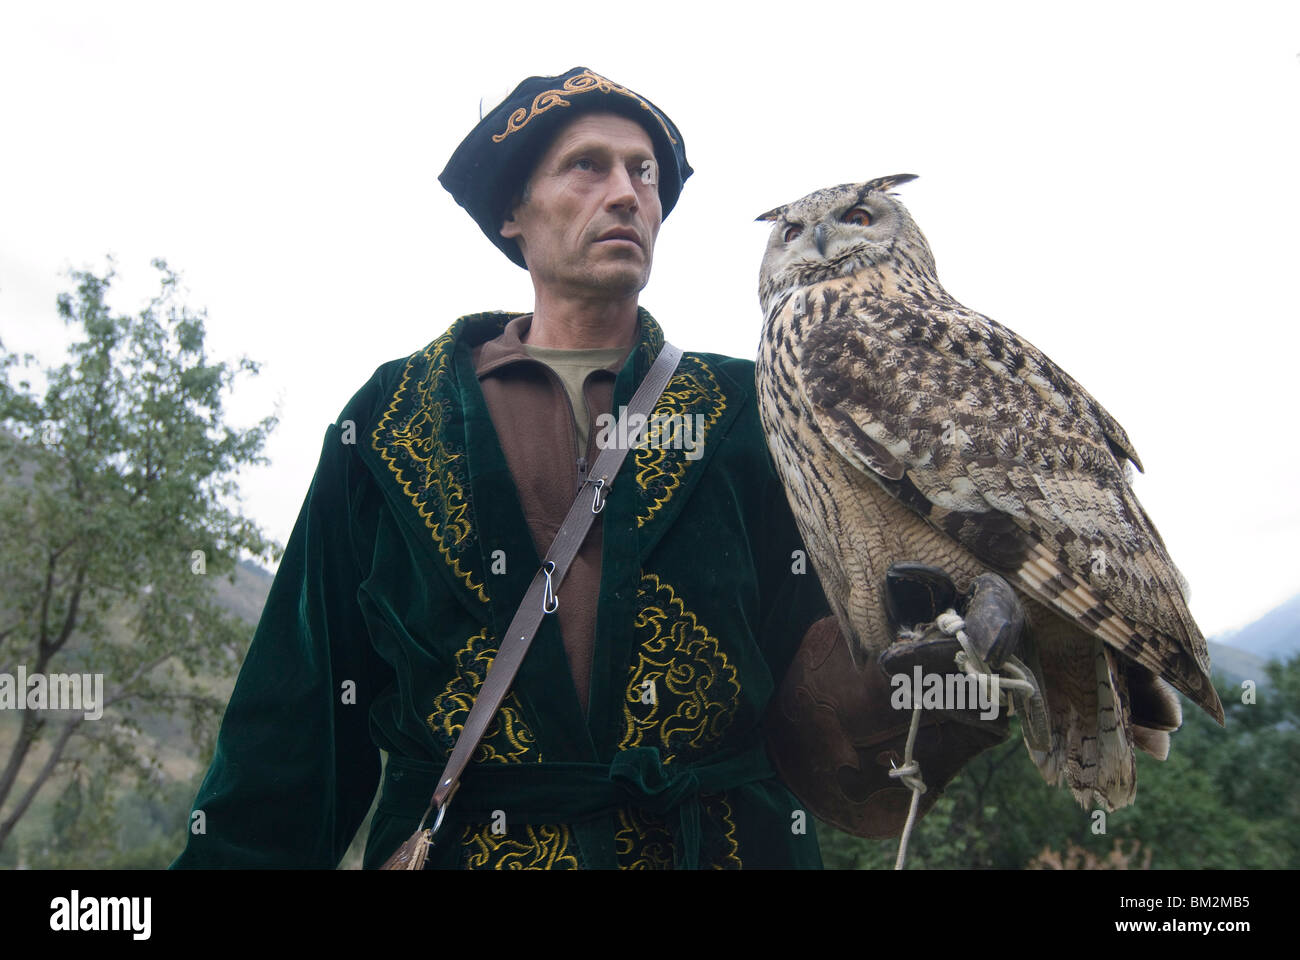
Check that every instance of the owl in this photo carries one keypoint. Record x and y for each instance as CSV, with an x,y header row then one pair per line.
x,y
906,427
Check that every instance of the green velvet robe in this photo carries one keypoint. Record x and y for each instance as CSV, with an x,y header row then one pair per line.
x,y
388,605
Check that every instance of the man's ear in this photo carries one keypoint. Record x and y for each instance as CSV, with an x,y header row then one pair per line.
x,y
510,229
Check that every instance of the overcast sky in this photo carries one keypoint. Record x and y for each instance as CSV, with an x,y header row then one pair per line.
x,y
1115,181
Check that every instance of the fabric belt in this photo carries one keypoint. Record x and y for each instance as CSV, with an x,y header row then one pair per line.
x,y
563,792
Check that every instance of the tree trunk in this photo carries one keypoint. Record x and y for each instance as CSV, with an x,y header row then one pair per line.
x,y
27,735
56,751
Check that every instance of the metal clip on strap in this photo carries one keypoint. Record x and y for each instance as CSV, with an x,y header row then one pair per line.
x,y
550,602
598,502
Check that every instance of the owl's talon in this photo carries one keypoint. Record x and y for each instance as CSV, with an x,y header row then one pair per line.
x,y
994,619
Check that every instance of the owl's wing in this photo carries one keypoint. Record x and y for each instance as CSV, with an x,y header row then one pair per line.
x,y
990,441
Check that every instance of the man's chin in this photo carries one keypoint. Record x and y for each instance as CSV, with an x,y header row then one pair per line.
x,y
618,284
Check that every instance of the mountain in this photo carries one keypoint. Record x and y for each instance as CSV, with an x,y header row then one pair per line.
x,y
1237,665
247,595
1275,635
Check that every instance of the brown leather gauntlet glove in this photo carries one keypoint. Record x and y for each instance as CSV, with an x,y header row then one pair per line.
x,y
833,733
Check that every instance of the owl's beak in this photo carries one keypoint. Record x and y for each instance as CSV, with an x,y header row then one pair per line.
x,y
819,238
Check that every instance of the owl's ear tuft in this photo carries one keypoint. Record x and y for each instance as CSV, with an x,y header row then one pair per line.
x,y
774,214
888,183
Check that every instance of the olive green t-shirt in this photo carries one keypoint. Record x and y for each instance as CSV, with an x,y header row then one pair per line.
x,y
572,367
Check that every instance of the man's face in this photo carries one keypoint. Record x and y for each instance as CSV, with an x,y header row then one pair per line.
x,y
589,225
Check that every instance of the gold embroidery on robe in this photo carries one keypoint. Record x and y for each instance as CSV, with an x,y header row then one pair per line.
x,y
413,440
507,740
681,696
652,337
659,469
682,689
644,842
526,847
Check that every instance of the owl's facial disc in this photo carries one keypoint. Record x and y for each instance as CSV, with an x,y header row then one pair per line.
x,y
840,235
837,232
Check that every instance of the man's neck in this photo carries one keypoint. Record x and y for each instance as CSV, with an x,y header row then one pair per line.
x,y
582,324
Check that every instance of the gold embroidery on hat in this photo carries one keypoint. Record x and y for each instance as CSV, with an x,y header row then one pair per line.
x,y
584,82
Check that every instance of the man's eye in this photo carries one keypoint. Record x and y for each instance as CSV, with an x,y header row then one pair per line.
x,y
792,232
584,163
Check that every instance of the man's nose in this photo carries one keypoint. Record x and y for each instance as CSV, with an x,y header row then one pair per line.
x,y
622,192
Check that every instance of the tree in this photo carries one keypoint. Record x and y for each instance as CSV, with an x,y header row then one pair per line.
x,y
113,524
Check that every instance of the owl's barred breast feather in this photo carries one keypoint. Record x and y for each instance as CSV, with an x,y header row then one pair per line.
x,y
907,427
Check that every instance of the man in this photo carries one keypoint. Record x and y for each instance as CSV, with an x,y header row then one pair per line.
x,y
441,485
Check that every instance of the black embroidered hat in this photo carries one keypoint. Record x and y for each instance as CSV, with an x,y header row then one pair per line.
x,y
492,162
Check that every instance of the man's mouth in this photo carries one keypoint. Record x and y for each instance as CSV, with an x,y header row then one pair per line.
x,y
620,233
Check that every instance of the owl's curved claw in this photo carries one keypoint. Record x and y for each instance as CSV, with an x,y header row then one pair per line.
x,y
994,619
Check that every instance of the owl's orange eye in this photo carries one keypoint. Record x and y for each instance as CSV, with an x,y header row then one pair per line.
x,y
792,232
858,217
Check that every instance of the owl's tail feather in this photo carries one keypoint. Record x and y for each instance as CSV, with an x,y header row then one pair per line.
x,y
1088,708
1116,784
1156,710
1153,701
1154,742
